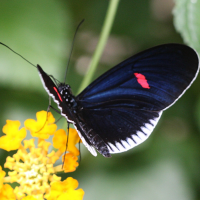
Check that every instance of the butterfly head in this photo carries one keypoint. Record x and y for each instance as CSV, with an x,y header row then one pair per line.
x,y
64,88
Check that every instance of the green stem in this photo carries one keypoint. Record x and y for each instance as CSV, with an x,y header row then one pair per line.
x,y
112,8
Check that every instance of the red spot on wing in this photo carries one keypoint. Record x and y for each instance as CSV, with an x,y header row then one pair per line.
x,y
141,79
57,93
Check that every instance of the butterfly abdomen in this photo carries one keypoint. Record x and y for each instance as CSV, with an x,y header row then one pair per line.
x,y
91,139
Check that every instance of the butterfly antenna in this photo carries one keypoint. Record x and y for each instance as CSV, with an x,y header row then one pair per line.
x,y
72,48
17,54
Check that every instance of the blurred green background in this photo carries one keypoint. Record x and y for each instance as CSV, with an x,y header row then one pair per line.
x,y
167,165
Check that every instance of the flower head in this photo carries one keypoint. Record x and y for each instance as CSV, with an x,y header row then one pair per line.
x,y
32,169
33,165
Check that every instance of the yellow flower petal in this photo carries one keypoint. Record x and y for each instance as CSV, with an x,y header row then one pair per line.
x,y
66,190
43,127
9,143
70,183
70,162
31,198
12,129
73,139
13,138
60,141
7,192
2,175
11,126
72,195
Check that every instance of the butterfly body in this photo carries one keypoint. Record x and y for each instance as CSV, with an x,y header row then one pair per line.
x,y
120,109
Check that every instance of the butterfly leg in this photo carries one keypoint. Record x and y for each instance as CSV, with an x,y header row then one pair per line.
x,y
48,109
66,143
50,106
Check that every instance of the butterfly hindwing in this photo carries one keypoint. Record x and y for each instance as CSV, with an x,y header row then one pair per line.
x,y
121,128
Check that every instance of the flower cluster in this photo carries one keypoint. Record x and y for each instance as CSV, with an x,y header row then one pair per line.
x,y
32,167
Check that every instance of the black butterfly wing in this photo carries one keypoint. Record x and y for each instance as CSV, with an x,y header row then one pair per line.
x,y
53,92
121,128
169,70
123,105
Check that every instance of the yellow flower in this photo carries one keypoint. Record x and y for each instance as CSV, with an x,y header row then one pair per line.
x,y
13,138
66,190
43,127
32,167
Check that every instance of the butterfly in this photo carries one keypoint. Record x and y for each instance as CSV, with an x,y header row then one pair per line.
x,y
120,109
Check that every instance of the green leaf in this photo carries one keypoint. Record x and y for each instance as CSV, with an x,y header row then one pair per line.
x,y
187,21
37,30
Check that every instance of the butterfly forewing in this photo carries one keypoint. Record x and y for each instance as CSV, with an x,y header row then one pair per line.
x,y
168,70
53,91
